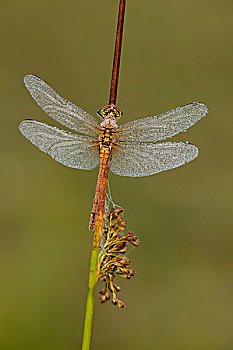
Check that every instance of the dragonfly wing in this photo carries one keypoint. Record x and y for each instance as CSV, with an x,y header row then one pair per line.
x,y
59,108
72,150
142,159
162,126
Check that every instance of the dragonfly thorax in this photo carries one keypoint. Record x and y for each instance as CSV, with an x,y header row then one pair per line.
x,y
106,137
109,123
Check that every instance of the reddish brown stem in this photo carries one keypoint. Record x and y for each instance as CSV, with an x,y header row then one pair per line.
x,y
117,53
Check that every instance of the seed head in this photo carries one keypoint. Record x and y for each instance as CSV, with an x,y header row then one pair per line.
x,y
112,259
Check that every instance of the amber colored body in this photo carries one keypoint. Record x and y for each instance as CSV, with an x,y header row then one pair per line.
x,y
106,140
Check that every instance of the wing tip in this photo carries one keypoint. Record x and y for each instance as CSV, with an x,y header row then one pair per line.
x,y
194,154
23,124
20,126
29,79
30,76
202,105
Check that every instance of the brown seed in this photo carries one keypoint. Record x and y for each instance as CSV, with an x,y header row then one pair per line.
x,y
119,210
130,234
124,260
114,300
103,299
124,250
117,288
121,304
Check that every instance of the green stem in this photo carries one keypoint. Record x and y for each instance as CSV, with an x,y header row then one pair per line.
x,y
90,301
93,278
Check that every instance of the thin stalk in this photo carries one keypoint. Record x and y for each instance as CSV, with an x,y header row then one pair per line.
x,y
93,276
117,53
94,265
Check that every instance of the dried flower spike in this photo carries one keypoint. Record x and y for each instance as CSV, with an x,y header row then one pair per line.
x,y
112,259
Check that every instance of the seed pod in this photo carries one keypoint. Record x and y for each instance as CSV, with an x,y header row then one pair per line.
x,y
102,291
117,288
103,299
121,304
114,300
119,210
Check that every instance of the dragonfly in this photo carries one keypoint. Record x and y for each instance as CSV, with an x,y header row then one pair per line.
x,y
130,149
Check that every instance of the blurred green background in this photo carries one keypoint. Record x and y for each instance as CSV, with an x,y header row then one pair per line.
x,y
174,53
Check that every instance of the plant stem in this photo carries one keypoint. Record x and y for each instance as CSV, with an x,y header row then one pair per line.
x,y
117,53
94,265
93,276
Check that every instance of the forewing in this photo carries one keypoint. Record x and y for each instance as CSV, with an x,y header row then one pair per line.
x,y
72,150
59,108
136,160
162,126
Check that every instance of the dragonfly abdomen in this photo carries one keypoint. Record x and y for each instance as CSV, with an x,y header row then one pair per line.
x,y
101,186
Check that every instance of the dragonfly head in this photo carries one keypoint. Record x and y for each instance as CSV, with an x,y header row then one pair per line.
x,y
110,111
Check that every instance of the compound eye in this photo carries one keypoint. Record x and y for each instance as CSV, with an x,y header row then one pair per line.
x,y
100,113
110,110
